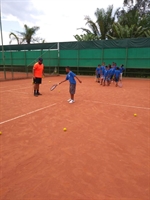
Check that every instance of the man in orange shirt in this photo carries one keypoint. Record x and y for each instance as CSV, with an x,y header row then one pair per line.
x,y
38,72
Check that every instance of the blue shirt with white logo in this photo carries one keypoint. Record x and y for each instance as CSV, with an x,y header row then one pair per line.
x,y
70,76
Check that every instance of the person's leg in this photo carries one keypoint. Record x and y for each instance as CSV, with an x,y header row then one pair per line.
x,y
72,92
72,97
35,89
104,82
38,86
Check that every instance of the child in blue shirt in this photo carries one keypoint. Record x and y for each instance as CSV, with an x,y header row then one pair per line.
x,y
97,72
122,69
71,77
117,75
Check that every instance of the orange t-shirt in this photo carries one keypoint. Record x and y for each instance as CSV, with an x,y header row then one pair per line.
x,y
38,70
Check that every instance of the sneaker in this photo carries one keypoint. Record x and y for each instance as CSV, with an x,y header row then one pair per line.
x,y
39,93
71,101
35,94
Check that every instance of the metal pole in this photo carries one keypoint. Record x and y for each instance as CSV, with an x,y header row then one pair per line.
x,y
58,56
2,43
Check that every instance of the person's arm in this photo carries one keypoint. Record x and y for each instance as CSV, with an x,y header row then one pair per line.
x,y
62,81
33,70
43,72
78,79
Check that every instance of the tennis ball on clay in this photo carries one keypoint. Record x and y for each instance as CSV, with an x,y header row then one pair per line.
x,y
135,115
0,133
64,129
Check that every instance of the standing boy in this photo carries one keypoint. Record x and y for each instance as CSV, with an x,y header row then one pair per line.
x,y
38,72
71,77
117,75
97,72
121,71
102,70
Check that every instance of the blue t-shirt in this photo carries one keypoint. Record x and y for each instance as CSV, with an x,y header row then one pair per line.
x,y
122,69
70,76
117,73
105,73
113,70
102,70
109,73
98,70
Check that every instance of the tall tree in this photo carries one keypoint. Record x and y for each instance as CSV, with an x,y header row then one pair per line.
x,y
28,36
102,26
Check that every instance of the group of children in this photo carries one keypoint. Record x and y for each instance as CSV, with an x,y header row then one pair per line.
x,y
107,74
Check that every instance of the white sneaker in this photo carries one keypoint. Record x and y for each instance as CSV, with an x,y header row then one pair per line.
x,y
71,101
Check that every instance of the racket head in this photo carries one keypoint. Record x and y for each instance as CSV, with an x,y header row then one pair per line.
x,y
53,87
120,84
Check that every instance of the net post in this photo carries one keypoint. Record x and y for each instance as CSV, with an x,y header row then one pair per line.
x,y
58,55
3,56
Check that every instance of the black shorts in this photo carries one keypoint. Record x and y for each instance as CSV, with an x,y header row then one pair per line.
x,y
72,88
111,77
98,75
37,80
116,79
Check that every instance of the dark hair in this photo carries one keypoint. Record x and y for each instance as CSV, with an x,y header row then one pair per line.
x,y
109,66
99,65
68,67
41,59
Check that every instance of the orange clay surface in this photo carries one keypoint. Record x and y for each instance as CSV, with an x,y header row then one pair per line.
x,y
103,155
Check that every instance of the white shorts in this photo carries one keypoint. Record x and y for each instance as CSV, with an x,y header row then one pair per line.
x,y
102,77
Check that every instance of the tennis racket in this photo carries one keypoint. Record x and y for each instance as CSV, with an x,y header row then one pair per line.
x,y
54,86
120,84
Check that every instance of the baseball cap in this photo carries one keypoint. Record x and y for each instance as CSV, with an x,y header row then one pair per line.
x,y
40,59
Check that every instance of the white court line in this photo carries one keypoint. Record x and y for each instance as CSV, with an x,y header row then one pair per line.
x,y
29,113
118,105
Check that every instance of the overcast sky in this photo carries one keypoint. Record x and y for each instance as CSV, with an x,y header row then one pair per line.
x,y
58,19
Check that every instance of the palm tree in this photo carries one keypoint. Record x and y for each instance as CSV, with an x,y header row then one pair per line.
x,y
103,24
143,6
119,31
86,37
25,37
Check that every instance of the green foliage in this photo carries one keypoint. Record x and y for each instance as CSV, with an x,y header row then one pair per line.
x,y
102,26
28,36
86,37
131,21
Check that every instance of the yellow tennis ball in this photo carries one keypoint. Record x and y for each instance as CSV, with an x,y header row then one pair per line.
x,y
64,129
135,115
0,133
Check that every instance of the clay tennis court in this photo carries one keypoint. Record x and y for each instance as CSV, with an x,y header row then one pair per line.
x,y
104,154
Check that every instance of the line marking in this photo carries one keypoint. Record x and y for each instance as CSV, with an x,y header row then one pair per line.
x,y
118,105
29,113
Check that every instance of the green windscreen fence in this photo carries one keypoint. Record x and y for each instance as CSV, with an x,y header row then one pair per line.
x,y
17,60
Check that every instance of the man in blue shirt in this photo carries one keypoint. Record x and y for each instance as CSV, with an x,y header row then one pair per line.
x,y
97,72
71,78
117,75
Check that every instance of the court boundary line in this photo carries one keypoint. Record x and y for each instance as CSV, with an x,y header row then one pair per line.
x,y
26,114
111,104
